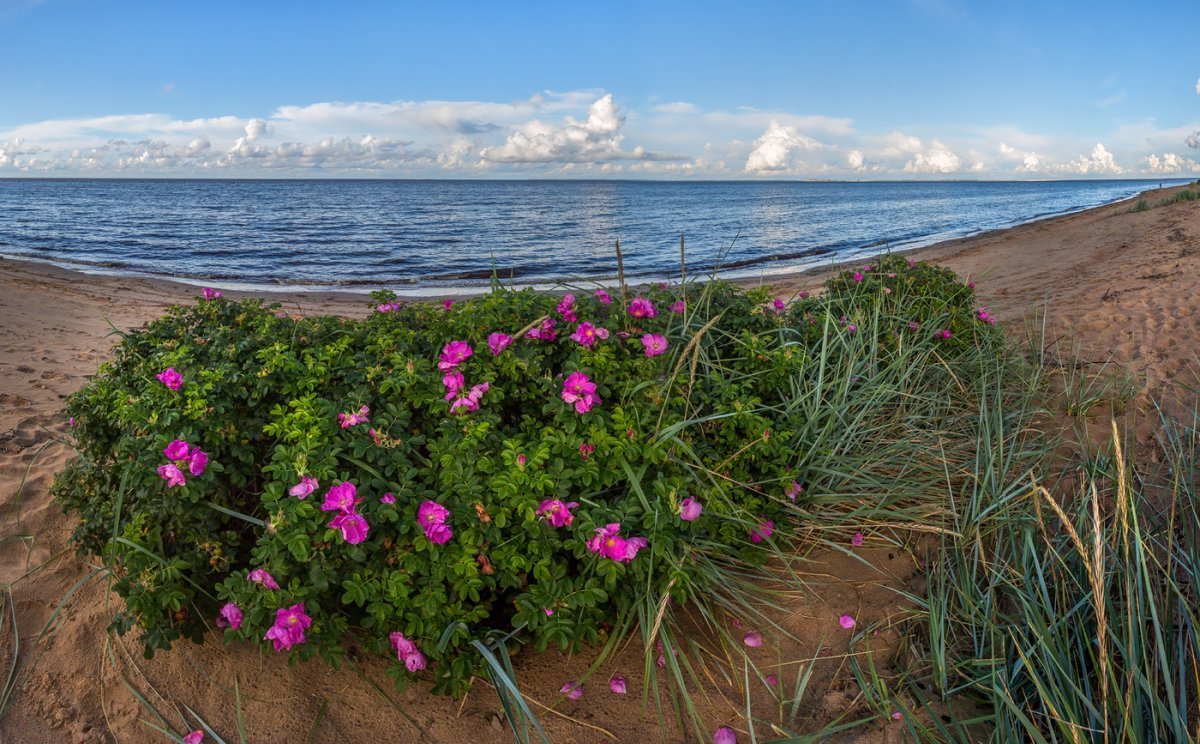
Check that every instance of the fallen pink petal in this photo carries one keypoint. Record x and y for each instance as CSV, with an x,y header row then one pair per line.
x,y
846,621
617,685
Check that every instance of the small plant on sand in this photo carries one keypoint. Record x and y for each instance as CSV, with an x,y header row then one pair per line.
x,y
555,469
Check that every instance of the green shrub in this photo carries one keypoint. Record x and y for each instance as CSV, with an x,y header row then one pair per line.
x,y
272,400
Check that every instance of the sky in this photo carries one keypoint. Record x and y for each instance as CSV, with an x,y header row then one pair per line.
x,y
903,89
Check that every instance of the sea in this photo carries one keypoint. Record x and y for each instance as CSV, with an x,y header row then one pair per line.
x,y
436,236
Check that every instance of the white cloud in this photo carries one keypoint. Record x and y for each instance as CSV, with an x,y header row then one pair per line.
x,y
1193,140
1100,162
937,159
593,140
1198,86
855,160
774,147
1029,162
1170,163
676,107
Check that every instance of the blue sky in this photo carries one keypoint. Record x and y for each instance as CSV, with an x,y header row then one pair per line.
x,y
905,89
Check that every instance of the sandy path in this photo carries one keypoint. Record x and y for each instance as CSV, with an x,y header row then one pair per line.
x,y
1117,284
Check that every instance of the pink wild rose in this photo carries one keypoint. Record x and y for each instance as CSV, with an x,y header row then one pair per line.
x,y
580,392
453,381
230,616
566,308
407,652
197,462
587,334
557,513
846,621
341,498
195,737
794,490
209,293
610,544
640,307
447,304
764,530
177,450
545,332
170,378
603,296
353,527
654,343
498,342
779,305
305,487
289,626
857,540
454,354
388,498
260,576
470,402
172,475
689,509
678,307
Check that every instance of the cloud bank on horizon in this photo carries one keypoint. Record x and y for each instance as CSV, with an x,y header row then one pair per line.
x,y
573,134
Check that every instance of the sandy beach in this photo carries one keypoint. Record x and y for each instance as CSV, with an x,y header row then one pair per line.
x,y
1116,285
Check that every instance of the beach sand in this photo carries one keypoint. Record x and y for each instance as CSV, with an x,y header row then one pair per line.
x,y
1116,286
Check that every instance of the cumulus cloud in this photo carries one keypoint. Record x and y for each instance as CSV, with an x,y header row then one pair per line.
x,y
593,140
1193,140
1027,162
855,160
773,149
936,159
1100,162
1170,163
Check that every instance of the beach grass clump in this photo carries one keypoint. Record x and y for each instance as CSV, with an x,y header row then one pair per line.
x,y
439,482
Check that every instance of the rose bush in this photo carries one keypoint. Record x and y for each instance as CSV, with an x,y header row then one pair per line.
x,y
524,462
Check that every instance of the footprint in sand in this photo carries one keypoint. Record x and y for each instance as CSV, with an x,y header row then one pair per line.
x,y
15,401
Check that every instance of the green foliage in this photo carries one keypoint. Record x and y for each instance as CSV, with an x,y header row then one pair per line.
x,y
722,417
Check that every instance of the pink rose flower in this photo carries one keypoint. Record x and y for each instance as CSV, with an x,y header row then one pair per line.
x,y
498,342
794,490
260,576
545,332
197,462
447,304
230,616
388,498
566,308
678,307
689,509
453,381
353,527
170,378
289,626
858,277
586,334
407,652
209,293
846,621
341,498
603,295
195,737
172,475
346,420
610,544
654,343
432,517
557,513
580,392
470,402
454,354
305,487
764,530
857,540
177,450
779,305
640,307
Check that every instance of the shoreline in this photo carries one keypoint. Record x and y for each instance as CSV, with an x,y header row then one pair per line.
x,y
778,265
785,276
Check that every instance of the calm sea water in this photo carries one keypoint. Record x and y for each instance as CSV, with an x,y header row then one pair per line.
x,y
442,234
